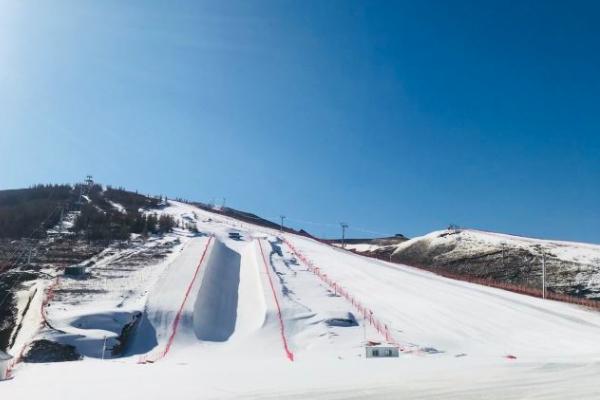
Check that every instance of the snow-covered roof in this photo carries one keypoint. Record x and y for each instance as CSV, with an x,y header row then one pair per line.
x,y
381,345
4,356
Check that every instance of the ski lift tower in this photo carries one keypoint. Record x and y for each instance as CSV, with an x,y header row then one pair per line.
x,y
84,189
89,181
344,227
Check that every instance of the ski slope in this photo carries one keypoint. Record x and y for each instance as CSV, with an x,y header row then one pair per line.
x,y
239,318
458,317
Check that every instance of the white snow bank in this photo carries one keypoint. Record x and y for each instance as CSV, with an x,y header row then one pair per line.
x,y
215,308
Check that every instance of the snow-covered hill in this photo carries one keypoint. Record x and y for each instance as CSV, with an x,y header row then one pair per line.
x,y
572,268
241,311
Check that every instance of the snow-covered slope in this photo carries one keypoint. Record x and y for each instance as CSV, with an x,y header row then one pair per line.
x,y
572,268
471,241
240,311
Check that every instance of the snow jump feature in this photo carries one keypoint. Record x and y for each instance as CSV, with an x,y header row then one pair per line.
x,y
215,309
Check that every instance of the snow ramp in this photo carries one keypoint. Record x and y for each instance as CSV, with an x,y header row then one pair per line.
x,y
215,308
167,309
195,299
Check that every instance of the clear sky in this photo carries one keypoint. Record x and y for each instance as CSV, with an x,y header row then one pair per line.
x,y
395,117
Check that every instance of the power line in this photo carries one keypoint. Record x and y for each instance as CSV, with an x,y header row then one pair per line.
x,y
353,228
331,225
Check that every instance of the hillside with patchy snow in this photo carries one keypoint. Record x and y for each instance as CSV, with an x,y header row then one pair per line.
x,y
571,268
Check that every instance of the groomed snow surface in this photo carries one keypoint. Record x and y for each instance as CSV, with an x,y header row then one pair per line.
x,y
223,318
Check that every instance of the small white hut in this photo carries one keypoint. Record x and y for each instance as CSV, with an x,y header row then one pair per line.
x,y
381,350
5,361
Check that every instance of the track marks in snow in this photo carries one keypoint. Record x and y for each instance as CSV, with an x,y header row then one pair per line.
x,y
286,347
309,307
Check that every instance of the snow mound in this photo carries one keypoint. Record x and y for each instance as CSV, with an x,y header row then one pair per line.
x,y
215,308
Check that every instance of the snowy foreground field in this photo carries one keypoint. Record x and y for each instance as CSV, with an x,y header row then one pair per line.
x,y
245,318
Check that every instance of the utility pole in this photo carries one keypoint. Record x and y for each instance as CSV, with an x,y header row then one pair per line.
x,y
282,218
103,347
344,226
543,274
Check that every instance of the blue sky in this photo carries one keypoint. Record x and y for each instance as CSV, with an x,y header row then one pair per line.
x,y
395,117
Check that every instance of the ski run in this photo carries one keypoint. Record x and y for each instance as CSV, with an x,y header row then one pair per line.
x,y
239,311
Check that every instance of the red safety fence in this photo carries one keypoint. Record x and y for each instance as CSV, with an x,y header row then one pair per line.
x,y
288,353
48,296
382,328
47,299
175,326
521,289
